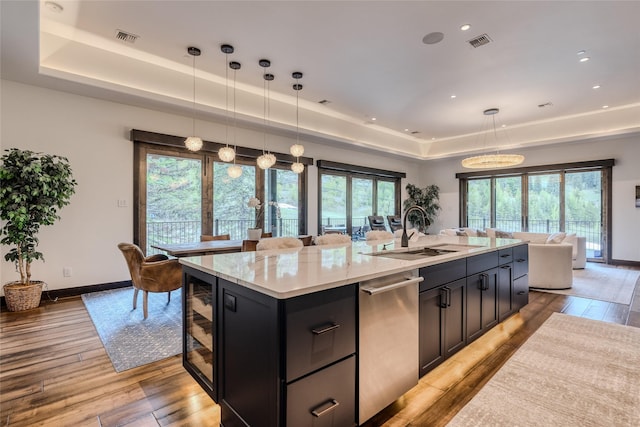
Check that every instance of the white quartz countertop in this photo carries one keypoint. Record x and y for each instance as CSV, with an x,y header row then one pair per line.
x,y
287,273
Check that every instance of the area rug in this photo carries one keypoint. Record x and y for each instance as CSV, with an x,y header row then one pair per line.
x,y
602,282
130,340
571,372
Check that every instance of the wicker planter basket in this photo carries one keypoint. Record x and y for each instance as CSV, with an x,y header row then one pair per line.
x,y
20,296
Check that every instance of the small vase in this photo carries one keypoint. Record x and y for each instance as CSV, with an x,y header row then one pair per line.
x,y
254,233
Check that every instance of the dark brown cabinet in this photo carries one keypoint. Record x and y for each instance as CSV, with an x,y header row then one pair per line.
x,y
441,313
282,362
482,303
520,277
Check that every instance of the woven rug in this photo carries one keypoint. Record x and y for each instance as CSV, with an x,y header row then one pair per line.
x,y
129,340
571,372
602,282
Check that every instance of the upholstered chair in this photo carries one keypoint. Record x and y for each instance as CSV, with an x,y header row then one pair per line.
x,y
395,222
378,235
332,239
376,222
279,243
550,266
209,237
249,245
306,240
155,273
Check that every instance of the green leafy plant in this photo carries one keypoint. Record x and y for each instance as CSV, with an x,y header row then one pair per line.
x,y
426,198
33,186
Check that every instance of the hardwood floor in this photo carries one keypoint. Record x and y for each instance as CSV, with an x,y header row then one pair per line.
x,y
55,372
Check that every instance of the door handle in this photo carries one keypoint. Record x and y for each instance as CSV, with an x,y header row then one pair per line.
x,y
333,404
320,331
484,278
372,290
443,297
448,296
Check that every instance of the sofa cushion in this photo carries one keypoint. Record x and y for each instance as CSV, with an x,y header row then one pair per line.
x,y
481,233
531,237
556,237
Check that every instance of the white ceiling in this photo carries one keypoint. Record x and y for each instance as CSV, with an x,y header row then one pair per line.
x,y
366,57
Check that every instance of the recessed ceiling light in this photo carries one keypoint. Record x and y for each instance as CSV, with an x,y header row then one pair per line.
x,y
433,138
453,97
581,52
373,119
596,87
406,130
465,27
504,126
605,106
585,59
53,7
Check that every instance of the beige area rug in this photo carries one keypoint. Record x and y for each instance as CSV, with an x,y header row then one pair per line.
x,y
602,282
571,372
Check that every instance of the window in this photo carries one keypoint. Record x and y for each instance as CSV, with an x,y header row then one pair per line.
x,y
180,195
348,194
570,197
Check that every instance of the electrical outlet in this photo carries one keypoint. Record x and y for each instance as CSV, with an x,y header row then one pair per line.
x,y
122,203
67,271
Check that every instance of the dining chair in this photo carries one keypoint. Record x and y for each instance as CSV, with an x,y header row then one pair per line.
x,y
278,243
209,237
306,240
395,222
249,245
155,273
376,222
264,235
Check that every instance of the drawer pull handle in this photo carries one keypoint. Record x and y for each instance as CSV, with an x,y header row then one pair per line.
x,y
506,267
333,404
505,256
326,329
521,293
372,290
521,260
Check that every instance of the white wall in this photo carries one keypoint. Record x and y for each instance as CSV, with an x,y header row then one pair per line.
x,y
94,136
625,150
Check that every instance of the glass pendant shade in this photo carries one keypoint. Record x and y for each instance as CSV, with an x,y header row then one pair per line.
x,y
226,154
267,160
297,150
297,167
489,161
234,171
193,143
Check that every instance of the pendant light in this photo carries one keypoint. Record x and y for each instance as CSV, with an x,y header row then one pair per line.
x,y
266,159
193,143
226,153
492,161
234,171
297,149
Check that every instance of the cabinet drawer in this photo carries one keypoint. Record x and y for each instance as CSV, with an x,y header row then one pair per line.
x,y
320,329
482,262
326,398
440,274
505,256
520,260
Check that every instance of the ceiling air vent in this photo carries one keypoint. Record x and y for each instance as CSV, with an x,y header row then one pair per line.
x,y
126,37
479,41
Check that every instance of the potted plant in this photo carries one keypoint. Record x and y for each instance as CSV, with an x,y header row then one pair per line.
x,y
33,186
254,233
426,198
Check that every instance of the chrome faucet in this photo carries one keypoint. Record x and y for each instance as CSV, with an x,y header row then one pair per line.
x,y
405,239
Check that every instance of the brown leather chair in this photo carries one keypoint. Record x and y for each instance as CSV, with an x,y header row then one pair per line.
x,y
155,273
249,245
209,237
306,240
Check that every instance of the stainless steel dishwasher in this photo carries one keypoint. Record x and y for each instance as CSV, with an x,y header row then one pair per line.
x,y
388,340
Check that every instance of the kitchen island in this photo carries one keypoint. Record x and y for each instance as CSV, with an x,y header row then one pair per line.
x,y
330,335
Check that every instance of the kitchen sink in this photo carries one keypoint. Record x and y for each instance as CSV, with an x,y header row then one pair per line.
x,y
412,254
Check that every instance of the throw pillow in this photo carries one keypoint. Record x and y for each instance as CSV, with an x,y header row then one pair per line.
x,y
461,233
556,237
471,232
481,233
503,234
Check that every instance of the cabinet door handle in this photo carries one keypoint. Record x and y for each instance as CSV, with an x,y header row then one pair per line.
x,y
520,260
506,266
484,278
332,405
521,293
448,296
320,331
443,297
